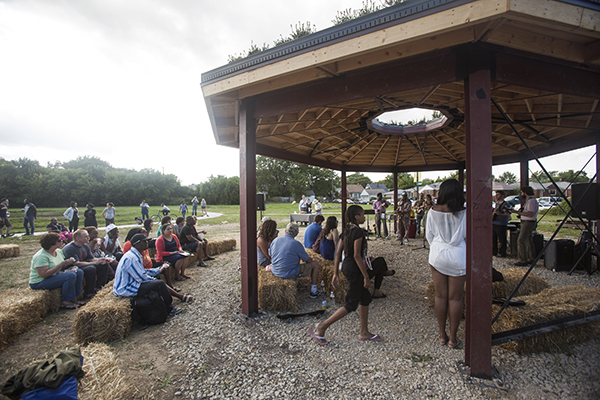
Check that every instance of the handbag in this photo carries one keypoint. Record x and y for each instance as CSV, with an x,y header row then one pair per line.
x,y
316,247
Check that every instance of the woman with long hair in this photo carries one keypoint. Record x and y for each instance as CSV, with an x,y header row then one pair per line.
x,y
329,239
266,234
355,269
446,232
169,250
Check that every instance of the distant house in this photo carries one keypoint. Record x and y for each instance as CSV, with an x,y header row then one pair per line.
x,y
431,189
376,186
354,191
367,194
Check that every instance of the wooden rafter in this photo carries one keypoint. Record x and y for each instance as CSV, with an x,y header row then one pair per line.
x,y
380,149
444,147
592,111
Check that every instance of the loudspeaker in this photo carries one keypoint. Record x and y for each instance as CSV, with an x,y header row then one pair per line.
x,y
587,205
560,255
538,243
260,202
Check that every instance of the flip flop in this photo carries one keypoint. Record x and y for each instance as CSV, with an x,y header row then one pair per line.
x,y
383,296
456,345
374,338
68,306
319,339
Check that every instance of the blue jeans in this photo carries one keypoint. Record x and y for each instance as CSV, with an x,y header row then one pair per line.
x,y
69,281
194,210
27,222
145,213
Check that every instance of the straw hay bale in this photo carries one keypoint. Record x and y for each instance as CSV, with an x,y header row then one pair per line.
x,y
9,250
220,245
532,285
103,379
20,309
326,269
275,293
103,319
545,306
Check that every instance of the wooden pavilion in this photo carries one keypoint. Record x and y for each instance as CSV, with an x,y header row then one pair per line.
x,y
514,80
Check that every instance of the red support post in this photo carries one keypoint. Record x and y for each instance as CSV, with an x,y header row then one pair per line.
x,y
524,170
396,222
344,195
247,137
478,326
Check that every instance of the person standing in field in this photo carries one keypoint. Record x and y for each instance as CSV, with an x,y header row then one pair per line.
x,y
203,207
72,214
109,213
90,216
4,222
30,215
183,208
145,210
195,206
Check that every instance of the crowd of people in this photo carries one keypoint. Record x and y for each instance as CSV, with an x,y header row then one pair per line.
x,y
81,263
444,228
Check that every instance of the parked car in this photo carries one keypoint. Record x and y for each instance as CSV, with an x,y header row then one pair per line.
x,y
337,200
514,200
348,201
544,205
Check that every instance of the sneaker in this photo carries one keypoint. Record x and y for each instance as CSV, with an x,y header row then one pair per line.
x,y
209,258
398,239
10,235
202,264
3,236
314,295
175,311
405,241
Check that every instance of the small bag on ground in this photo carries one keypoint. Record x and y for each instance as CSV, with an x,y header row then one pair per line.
x,y
149,309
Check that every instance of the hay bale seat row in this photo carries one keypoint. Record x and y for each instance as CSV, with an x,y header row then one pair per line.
x,y
326,269
107,317
215,246
22,308
9,250
276,294
532,285
548,305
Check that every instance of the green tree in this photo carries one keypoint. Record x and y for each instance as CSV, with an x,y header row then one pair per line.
x,y
508,178
569,176
220,190
540,176
358,178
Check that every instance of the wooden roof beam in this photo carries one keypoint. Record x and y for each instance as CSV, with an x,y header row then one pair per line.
x,y
444,147
589,120
380,149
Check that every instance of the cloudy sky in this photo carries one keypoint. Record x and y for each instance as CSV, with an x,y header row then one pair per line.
x,y
120,80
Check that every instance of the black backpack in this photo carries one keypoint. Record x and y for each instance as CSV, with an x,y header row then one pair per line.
x,y
149,309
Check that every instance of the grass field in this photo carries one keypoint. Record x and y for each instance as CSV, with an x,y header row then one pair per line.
x,y
14,272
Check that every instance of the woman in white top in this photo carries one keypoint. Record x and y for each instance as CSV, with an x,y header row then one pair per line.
x,y
446,232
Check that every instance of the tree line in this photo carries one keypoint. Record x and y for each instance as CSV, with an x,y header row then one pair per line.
x,y
92,180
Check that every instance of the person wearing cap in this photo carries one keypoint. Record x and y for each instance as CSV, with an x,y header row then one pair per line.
x,y
110,244
132,279
286,253
95,270
149,263
317,207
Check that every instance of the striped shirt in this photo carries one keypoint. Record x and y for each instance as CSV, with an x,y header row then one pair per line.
x,y
131,274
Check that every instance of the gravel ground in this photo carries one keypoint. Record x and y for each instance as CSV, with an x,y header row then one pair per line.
x,y
227,355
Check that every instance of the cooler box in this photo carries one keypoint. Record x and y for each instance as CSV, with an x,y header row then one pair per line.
x,y
412,229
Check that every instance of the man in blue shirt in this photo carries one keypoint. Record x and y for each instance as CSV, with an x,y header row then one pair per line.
x,y
312,232
131,279
286,253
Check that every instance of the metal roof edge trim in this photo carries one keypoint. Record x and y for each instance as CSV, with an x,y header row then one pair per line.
x,y
378,20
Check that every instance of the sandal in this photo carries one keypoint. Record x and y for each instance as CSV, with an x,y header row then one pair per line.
x,y
187,298
179,278
319,339
456,345
176,289
68,306
186,277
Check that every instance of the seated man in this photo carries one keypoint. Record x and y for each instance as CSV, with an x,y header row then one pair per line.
x,y
95,270
149,263
192,241
57,227
133,280
312,232
286,253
